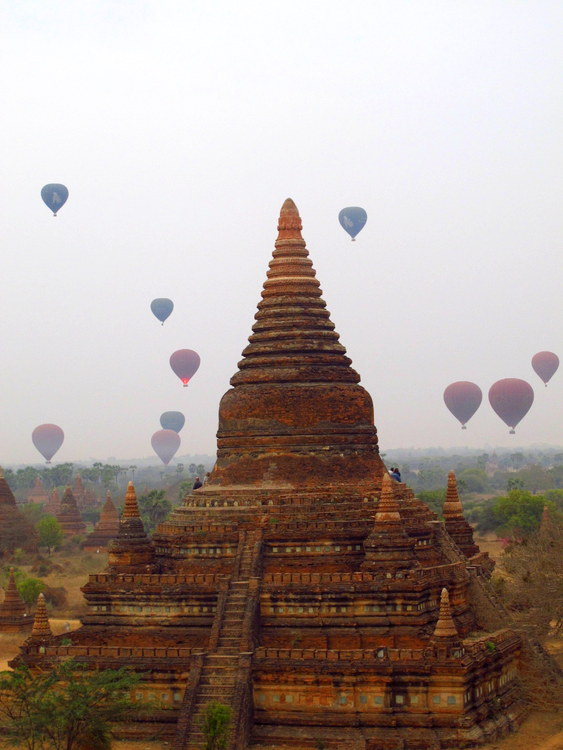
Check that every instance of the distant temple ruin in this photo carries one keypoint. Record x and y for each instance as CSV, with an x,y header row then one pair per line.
x,y
301,586
69,516
106,529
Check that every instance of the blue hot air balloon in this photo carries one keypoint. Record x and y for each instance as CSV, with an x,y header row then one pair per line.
x,y
352,220
54,196
161,308
172,420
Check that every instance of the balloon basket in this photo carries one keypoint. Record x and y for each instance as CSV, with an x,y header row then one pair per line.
x,y
512,432
353,239
463,427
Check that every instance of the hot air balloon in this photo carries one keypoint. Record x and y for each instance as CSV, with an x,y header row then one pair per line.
x,y
47,438
545,365
172,420
161,308
54,196
511,399
185,364
352,220
165,443
463,399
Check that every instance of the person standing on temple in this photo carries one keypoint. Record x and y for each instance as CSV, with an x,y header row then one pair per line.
x,y
395,474
197,484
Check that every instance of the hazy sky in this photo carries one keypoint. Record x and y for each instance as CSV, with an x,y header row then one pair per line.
x,y
180,127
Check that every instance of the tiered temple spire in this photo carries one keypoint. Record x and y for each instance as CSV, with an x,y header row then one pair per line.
x,y
15,530
388,547
456,525
107,527
295,414
41,626
131,547
13,613
69,516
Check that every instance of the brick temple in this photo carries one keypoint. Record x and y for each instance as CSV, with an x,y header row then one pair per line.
x,y
106,529
69,516
16,532
319,599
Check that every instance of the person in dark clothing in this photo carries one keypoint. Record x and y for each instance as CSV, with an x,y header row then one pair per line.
x,y
197,484
395,474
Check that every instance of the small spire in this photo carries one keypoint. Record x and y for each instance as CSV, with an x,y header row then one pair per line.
x,y
452,504
41,627
445,627
289,224
387,508
12,593
1,473
131,508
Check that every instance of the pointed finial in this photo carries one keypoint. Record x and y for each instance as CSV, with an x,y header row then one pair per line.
x,y
387,508
131,509
445,627
289,224
41,627
452,504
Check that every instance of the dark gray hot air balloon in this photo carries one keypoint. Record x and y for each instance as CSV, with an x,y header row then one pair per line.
x,y
352,220
172,420
162,308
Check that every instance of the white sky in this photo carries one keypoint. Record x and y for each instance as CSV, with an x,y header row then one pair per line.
x,y
179,129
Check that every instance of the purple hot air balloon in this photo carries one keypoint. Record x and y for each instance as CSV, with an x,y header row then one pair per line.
x,y
185,364
463,399
545,365
47,438
511,399
165,443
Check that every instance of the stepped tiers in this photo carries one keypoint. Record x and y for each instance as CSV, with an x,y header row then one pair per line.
x,y
84,497
16,532
326,605
13,613
69,516
38,493
106,529
456,525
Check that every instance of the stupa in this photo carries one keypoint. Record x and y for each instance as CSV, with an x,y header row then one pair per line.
x,y
38,493
16,532
106,529
13,613
53,506
69,516
325,604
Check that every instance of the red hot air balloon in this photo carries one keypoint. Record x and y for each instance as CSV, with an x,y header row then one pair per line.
x,y
185,364
545,365
463,399
165,443
511,399
47,438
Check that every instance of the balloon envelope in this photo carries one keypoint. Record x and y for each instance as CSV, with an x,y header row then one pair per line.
x,y
463,399
165,443
352,220
54,196
161,308
511,399
47,438
172,420
545,365
185,364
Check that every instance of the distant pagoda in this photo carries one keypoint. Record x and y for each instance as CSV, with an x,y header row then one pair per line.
x,y
13,612
38,493
326,605
106,529
53,506
16,532
69,516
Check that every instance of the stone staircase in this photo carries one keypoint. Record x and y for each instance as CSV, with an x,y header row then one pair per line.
x,y
223,674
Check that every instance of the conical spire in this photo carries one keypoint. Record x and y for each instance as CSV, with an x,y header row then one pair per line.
x,y
107,527
69,516
452,504
131,508
445,626
6,494
131,550
12,610
388,507
454,520
296,413
41,627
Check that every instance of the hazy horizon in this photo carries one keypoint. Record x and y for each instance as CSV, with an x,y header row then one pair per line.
x,y
179,130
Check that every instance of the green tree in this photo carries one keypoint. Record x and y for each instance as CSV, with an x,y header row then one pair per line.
x,y
50,533
67,708
473,480
518,513
29,589
216,726
154,508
